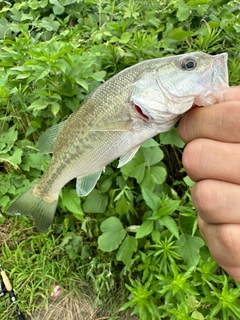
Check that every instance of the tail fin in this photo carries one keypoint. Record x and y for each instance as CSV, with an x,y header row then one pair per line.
x,y
40,210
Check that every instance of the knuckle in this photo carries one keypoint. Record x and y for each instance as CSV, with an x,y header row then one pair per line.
x,y
203,197
228,236
192,156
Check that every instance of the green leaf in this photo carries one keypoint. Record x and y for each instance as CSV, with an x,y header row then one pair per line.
x,y
57,8
126,250
4,201
148,180
4,96
197,316
159,174
170,224
168,207
183,12
122,205
99,76
113,234
236,26
135,168
145,229
151,199
189,247
179,34
1,219
82,83
71,202
39,104
152,155
95,202
55,107
7,139
49,24
150,143
125,37
171,137
13,159
188,181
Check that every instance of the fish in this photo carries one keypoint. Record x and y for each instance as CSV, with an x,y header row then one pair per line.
x,y
114,120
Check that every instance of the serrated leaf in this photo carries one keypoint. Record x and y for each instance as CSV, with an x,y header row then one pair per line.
x,y
7,139
188,248
126,250
145,229
113,234
13,159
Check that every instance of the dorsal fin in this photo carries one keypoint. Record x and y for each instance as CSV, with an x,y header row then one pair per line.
x,y
47,140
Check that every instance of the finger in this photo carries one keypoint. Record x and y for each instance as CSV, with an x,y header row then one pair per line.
x,y
208,159
219,122
232,94
217,201
223,241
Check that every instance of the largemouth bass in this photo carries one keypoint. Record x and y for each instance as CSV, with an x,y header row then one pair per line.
x,y
115,119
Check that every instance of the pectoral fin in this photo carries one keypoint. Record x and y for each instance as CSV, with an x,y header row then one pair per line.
x,y
114,126
48,138
85,185
127,157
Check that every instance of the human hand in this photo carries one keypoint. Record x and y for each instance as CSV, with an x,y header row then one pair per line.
x,y
212,159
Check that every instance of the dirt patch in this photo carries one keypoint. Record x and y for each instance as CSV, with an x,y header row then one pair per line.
x,y
69,307
5,230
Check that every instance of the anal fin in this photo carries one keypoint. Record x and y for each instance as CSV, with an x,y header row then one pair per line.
x,y
85,185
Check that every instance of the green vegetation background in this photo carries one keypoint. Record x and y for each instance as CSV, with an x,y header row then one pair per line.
x,y
134,239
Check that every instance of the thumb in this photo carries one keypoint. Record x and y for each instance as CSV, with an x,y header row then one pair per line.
x,y
232,94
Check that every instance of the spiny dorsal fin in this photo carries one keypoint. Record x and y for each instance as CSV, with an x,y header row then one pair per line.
x,y
48,138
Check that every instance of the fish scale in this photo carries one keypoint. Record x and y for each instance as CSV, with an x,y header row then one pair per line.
x,y
115,119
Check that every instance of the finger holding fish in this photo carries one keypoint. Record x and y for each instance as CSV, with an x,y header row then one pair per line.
x,y
212,159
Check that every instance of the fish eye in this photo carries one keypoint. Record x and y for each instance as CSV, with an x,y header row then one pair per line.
x,y
188,64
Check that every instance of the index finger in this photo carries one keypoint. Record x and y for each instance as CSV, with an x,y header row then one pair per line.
x,y
218,122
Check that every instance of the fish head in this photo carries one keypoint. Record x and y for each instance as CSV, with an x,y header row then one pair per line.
x,y
177,83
